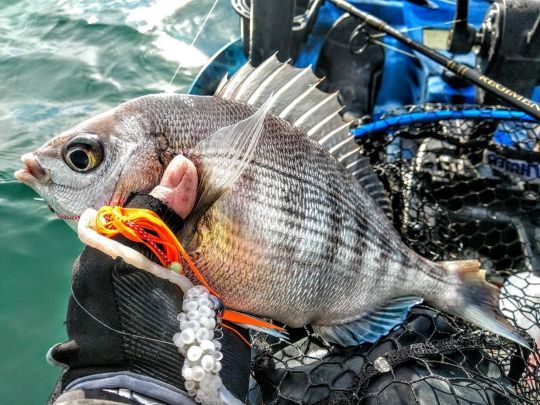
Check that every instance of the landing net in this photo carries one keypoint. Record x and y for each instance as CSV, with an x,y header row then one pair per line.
x,y
463,187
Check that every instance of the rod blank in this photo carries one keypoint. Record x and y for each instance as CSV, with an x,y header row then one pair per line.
x,y
472,75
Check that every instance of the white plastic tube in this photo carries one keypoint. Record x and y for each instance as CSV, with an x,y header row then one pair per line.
x,y
196,339
89,236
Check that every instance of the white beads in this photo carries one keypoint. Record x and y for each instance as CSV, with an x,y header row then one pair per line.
x,y
208,323
187,373
176,339
204,302
194,353
187,336
218,355
205,311
196,342
208,346
198,373
190,385
217,367
204,334
194,325
189,306
207,362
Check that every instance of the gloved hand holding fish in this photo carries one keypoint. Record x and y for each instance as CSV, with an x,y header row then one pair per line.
x,y
290,222
122,322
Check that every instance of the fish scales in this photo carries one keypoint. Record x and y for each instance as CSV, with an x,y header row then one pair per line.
x,y
281,228
287,167
281,149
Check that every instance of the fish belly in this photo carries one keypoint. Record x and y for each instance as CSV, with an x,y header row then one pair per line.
x,y
298,240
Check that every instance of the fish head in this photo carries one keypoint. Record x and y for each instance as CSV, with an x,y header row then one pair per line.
x,y
98,162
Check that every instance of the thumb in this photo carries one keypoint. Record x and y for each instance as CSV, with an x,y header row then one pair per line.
x,y
175,172
178,186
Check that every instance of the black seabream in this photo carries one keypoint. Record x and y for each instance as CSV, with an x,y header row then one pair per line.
x,y
290,222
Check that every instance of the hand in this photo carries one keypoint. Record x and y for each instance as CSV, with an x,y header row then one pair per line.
x,y
178,186
121,321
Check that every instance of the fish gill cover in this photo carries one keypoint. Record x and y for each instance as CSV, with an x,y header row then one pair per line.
x,y
454,197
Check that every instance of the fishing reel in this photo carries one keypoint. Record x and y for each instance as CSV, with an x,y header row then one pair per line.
x,y
352,64
507,44
356,75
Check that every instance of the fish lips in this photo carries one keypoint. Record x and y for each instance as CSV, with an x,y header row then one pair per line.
x,y
32,173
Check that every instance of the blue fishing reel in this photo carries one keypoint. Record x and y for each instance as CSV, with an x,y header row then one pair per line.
x,y
375,72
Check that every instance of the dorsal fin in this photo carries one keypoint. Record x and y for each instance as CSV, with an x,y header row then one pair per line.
x,y
363,171
297,100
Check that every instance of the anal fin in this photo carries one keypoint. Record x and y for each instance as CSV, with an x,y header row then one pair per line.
x,y
370,327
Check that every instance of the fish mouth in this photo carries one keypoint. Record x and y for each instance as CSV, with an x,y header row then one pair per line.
x,y
64,217
32,173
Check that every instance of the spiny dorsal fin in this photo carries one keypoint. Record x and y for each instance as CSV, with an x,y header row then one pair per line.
x,y
363,171
297,100
227,90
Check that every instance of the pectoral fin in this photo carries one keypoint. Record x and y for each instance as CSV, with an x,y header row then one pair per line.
x,y
224,156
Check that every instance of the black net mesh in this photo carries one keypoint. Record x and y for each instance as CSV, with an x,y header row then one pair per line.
x,y
460,189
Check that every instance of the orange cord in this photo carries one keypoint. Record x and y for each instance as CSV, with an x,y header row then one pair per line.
x,y
144,226
141,225
239,317
237,333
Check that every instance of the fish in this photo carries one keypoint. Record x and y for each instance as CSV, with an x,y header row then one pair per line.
x,y
290,223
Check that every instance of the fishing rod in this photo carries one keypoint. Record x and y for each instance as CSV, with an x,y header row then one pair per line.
x,y
472,75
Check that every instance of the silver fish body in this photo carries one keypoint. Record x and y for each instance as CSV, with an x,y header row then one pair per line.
x,y
286,227
296,239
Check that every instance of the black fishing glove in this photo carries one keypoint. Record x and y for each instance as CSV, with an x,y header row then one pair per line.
x,y
120,324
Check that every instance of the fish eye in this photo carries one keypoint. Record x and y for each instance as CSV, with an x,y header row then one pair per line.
x,y
83,153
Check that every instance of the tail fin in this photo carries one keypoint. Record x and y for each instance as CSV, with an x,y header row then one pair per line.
x,y
480,300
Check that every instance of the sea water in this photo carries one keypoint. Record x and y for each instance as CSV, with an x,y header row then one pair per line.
x,y
60,63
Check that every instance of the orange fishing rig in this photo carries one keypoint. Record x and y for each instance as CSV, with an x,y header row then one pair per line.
x,y
145,226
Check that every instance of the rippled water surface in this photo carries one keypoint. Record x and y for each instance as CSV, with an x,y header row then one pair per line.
x,y
61,62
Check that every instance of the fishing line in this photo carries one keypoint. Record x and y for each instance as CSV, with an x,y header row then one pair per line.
x,y
398,50
385,45
117,330
195,38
